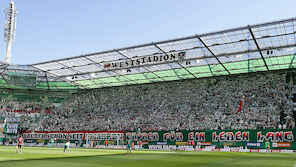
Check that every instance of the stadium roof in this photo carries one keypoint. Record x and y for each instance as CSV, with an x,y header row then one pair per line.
x,y
253,48
26,77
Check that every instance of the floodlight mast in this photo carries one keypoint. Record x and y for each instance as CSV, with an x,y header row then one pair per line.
x,y
9,29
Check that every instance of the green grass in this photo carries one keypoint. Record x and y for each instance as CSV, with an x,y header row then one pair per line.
x,y
41,157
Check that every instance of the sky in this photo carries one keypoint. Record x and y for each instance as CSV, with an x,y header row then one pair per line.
x,y
53,29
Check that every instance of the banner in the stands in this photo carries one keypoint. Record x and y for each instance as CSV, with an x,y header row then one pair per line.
x,y
278,138
219,138
75,135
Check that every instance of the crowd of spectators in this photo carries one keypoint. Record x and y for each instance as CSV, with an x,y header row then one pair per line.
x,y
26,112
251,101
20,106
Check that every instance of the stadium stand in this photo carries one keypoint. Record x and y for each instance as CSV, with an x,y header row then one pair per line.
x,y
26,109
258,100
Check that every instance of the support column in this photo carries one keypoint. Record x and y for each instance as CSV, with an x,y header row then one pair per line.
x,y
291,63
45,100
249,48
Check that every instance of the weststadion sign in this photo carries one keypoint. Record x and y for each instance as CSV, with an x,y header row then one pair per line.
x,y
129,63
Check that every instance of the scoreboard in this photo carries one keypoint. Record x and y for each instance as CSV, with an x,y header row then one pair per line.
x,y
22,79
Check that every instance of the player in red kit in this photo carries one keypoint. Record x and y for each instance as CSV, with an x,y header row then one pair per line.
x,y
140,144
19,145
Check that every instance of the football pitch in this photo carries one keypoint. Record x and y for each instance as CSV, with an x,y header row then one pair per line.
x,y
42,157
